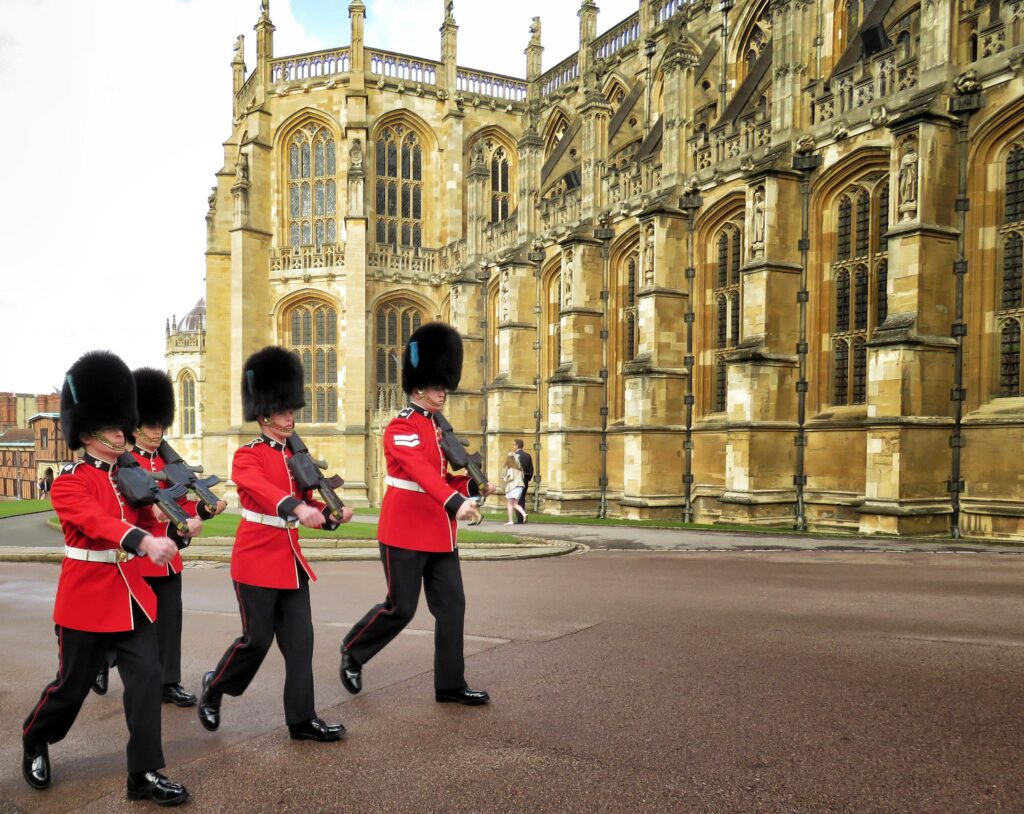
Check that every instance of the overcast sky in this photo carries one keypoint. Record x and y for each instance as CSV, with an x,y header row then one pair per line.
x,y
114,114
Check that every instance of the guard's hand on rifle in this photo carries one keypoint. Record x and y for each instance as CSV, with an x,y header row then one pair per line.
x,y
221,506
309,516
488,490
158,513
346,515
159,549
195,526
469,512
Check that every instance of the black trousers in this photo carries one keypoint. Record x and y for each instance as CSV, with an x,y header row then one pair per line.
x,y
269,614
441,577
168,625
80,654
518,518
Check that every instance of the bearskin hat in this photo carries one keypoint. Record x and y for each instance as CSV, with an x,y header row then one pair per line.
x,y
271,383
98,392
154,395
432,356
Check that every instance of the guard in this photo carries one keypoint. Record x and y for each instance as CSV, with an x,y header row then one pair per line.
x,y
155,399
270,574
102,603
418,527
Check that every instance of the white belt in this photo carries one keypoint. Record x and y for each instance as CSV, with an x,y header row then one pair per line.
x,y
268,520
111,556
398,483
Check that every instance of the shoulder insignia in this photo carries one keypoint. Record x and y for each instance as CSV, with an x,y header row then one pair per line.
x,y
408,411
69,469
253,443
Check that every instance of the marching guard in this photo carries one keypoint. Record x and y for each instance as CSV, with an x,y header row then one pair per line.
x,y
102,602
270,574
418,526
155,399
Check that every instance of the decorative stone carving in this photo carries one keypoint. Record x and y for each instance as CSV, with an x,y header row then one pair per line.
x,y
567,278
240,189
757,223
966,83
356,180
239,48
907,179
535,31
455,305
503,295
648,259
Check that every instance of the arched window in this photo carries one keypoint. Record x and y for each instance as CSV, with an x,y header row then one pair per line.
x,y
722,323
312,193
721,385
861,302
727,316
1011,235
1009,359
187,403
394,323
500,195
399,198
630,315
311,330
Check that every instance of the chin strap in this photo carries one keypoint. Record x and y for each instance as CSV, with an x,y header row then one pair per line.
x,y
153,441
278,427
118,448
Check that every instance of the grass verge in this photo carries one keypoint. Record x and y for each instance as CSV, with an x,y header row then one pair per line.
x,y
13,508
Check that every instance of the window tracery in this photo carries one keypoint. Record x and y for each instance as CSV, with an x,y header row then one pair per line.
x,y
399,188
311,330
312,189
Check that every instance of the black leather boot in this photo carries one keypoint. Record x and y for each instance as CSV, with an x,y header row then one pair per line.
x,y
35,764
209,705
178,695
351,673
465,696
317,730
154,786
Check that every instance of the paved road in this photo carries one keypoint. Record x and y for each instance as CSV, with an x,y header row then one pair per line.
x,y
632,681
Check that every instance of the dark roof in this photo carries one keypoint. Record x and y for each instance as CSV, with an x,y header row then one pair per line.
x,y
854,52
749,86
17,435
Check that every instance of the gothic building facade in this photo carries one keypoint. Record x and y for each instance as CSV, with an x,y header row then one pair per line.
x,y
755,261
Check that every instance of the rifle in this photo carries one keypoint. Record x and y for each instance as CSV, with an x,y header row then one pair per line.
x,y
141,489
308,474
176,471
455,450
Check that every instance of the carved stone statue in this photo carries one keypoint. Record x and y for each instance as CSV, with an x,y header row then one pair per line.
x,y
355,157
449,11
966,83
648,260
758,225
239,48
535,31
211,201
476,158
907,178
567,278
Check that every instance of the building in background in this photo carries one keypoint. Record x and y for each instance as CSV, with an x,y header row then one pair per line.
x,y
748,262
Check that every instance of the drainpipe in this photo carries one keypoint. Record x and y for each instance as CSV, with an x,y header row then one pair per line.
x,y
689,203
605,235
963,105
805,163
537,258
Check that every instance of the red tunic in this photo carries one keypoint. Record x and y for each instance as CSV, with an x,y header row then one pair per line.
x,y
421,521
267,556
97,596
152,462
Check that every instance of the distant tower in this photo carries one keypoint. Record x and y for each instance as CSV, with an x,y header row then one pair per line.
x,y
186,346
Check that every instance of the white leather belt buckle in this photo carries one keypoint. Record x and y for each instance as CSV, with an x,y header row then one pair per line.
x,y
110,556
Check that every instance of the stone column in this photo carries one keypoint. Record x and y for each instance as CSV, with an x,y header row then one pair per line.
x,y
655,380
575,391
477,202
238,65
910,357
512,390
596,113
264,44
762,372
679,64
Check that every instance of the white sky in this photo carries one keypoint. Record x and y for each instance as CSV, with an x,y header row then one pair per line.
x,y
114,113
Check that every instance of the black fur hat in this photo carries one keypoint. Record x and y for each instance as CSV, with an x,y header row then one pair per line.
x,y
98,392
271,383
432,356
154,395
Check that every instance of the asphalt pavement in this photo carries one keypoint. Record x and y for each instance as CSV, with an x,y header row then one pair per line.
x,y
622,681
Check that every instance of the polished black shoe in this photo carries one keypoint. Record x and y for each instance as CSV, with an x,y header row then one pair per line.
x,y
317,730
465,696
154,786
35,764
351,673
102,680
209,705
178,695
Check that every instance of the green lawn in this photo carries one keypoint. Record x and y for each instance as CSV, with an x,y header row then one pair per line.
x,y
12,508
225,525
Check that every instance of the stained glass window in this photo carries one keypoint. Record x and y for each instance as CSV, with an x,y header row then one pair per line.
x,y
312,331
312,195
399,188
